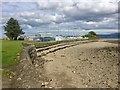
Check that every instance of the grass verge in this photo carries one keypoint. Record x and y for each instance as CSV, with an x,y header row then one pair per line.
x,y
7,73
10,50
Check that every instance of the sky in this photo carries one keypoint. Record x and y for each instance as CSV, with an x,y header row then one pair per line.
x,y
62,17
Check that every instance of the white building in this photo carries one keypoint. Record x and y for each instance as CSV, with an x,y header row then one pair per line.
x,y
59,38
29,38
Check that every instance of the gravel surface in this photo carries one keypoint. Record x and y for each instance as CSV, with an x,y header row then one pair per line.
x,y
84,66
87,65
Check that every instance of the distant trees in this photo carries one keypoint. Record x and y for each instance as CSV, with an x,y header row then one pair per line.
x,y
91,35
13,29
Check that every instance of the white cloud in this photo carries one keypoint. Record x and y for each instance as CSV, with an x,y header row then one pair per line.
x,y
67,15
30,27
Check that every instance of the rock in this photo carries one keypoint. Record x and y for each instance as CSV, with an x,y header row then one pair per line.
x,y
43,85
36,65
46,83
19,78
86,86
29,87
73,71
50,87
10,77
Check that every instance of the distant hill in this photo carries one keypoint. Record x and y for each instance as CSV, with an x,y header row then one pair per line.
x,y
113,35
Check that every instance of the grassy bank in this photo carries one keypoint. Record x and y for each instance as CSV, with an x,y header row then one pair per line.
x,y
10,50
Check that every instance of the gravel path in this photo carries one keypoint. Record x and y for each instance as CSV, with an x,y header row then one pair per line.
x,y
93,64
86,65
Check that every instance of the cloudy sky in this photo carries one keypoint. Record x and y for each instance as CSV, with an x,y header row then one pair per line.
x,y
67,17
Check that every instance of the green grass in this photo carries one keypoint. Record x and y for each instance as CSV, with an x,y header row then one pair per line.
x,y
10,50
7,73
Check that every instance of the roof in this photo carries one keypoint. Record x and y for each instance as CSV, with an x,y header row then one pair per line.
x,y
46,35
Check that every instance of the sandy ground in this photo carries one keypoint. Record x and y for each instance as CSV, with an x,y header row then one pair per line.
x,y
83,66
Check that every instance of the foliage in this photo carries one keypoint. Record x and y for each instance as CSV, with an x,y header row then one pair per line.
x,y
13,29
91,35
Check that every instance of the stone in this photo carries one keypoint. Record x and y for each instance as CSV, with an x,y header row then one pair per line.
x,y
19,78
46,83
10,77
42,83
50,87
29,87
73,71
45,86
36,65
86,86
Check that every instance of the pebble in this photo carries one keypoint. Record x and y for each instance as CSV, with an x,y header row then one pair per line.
x,y
42,83
45,86
36,65
86,86
73,71
19,78
29,87
10,77
50,87
46,83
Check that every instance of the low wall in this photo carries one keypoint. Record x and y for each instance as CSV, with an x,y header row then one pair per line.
x,y
30,52
25,69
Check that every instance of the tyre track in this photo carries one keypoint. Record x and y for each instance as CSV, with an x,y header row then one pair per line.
x,y
50,49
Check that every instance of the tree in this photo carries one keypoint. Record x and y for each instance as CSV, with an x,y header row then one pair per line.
x,y
92,33
13,29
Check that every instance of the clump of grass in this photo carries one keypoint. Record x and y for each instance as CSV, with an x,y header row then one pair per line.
x,y
8,73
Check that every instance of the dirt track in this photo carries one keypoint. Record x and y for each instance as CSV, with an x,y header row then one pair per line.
x,y
93,64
